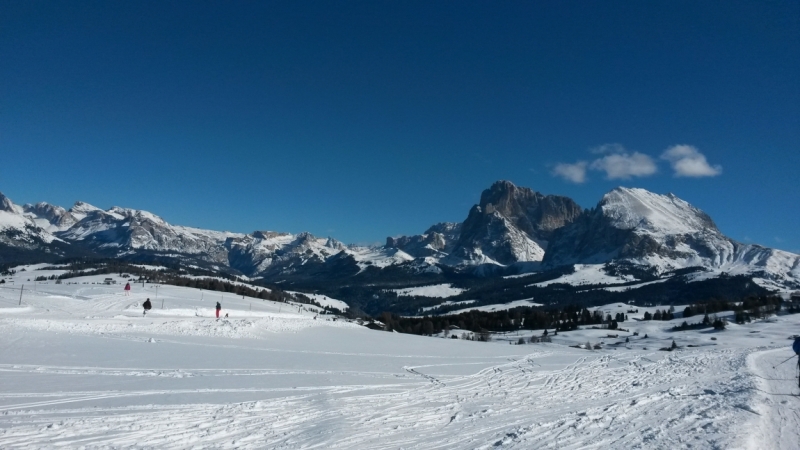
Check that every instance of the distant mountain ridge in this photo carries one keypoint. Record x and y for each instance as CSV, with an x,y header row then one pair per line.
x,y
511,229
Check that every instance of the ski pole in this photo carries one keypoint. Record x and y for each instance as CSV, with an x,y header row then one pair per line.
x,y
776,365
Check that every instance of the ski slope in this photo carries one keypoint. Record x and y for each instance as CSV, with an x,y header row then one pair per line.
x,y
80,367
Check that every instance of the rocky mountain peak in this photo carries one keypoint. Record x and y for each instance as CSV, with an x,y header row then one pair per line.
x,y
6,204
56,215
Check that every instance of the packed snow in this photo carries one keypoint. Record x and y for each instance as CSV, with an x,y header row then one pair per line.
x,y
587,274
436,290
325,301
498,306
448,303
81,367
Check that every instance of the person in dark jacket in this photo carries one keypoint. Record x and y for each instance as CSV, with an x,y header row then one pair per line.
x,y
219,307
146,305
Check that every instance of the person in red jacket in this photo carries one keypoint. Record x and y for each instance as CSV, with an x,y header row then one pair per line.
x,y
127,289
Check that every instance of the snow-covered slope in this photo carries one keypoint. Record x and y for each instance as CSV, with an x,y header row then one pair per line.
x,y
83,368
664,233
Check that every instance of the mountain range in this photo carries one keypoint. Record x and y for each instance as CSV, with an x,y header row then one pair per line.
x,y
510,232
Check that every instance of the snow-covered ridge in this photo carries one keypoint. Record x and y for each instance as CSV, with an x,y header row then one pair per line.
x,y
633,208
664,233
510,225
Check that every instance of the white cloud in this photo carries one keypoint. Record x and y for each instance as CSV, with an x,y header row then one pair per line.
x,y
575,173
687,161
623,165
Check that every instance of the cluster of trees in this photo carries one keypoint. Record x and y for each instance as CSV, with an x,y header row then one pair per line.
x,y
716,322
44,278
523,318
211,284
660,315
751,307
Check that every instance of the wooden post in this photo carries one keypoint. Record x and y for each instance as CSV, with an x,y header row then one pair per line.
x,y
20,294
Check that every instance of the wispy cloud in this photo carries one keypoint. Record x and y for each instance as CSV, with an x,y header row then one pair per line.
x,y
574,173
687,161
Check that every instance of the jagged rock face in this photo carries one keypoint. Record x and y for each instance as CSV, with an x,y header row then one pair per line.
x,y
127,230
510,224
513,224
267,250
20,234
57,216
6,204
438,240
535,214
81,209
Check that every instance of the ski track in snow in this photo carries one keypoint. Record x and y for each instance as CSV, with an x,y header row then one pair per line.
x,y
81,368
777,402
681,400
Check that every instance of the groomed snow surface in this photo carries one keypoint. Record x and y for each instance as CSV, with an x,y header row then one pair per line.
x,y
80,367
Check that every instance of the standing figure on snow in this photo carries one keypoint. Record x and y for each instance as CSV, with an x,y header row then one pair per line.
x,y
219,307
127,289
796,348
146,305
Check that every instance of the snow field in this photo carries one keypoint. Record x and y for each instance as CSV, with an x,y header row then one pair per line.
x,y
81,368
436,290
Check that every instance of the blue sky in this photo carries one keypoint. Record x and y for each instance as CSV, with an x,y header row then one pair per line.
x,y
362,120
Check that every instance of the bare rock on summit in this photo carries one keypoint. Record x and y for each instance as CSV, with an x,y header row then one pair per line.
x,y
59,218
6,204
438,240
509,225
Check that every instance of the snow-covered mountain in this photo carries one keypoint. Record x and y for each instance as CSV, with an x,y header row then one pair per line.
x,y
663,233
510,227
130,233
121,231
21,231
510,224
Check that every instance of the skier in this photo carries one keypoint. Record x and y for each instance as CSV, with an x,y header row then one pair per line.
x,y
146,305
219,307
127,289
796,348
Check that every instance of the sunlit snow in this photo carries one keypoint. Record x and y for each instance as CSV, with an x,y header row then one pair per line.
x,y
80,366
